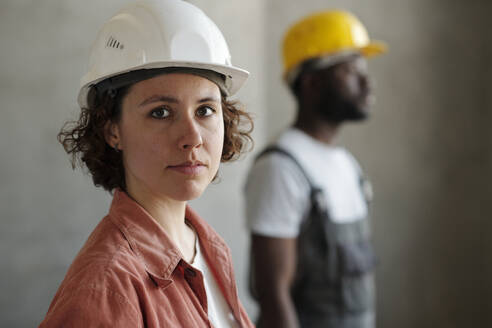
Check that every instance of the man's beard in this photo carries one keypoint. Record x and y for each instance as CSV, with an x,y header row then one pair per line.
x,y
333,108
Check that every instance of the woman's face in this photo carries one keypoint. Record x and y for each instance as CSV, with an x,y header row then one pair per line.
x,y
171,135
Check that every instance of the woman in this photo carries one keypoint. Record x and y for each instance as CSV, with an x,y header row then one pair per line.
x,y
155,124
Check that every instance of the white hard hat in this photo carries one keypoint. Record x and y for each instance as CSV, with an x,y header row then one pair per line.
x,y
151,34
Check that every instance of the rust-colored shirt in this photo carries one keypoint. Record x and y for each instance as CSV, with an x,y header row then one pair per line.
x,y
130,274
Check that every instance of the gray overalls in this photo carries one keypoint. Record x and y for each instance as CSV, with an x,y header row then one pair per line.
x,y
334,285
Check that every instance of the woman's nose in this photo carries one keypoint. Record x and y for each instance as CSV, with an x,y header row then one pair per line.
x,y
190,135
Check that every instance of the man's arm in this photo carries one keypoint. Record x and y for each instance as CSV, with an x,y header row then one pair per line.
x,y
274,265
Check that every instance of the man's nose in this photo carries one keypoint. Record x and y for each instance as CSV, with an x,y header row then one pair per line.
x,y
366,82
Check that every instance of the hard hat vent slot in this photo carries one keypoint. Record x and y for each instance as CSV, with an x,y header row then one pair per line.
x,y
113,43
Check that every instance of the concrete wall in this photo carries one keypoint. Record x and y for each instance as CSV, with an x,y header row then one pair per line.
x,y
427,149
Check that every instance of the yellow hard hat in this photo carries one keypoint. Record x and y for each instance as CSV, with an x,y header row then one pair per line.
x,y
324,34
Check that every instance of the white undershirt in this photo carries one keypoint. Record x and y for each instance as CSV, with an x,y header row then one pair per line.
x,y
277,194
219,312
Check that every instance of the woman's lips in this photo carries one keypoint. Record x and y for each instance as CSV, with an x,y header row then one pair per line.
x,y
188,169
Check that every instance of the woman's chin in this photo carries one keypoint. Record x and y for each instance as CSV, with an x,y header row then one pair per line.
x,y
187,193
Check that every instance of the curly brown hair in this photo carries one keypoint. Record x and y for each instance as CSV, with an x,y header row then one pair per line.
x,y
84,139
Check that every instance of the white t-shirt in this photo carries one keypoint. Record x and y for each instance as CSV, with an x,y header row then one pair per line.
x,y
219,312
277,193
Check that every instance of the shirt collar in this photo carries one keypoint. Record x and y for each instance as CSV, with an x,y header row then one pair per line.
x,y
152,244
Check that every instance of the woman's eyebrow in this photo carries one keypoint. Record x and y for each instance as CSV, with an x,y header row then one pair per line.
x,y
158,98
169,99
207,99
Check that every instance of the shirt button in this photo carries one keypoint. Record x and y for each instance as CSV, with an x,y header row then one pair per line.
x,y
190,272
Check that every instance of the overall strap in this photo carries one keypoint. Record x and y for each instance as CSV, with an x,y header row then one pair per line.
x,y
316,194
281,151
364,184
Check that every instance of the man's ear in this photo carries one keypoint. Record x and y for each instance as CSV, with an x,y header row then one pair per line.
x,y
309,83
112,135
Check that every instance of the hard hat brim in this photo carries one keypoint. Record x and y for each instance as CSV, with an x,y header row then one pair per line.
x,y
234,76
374,48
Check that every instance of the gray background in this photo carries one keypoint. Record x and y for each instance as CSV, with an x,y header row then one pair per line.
x,y
427,148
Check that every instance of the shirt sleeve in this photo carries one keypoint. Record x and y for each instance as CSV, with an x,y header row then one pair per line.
x,y
92,306
277,197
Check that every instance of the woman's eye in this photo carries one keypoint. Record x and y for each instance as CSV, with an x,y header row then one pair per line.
x,y
205,111
160,113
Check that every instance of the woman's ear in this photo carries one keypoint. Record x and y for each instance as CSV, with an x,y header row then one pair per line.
x,y
112,135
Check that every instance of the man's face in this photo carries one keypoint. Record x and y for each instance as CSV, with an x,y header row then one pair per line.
x,y
345,91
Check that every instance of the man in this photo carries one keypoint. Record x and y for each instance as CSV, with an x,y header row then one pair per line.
x,y
312,261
